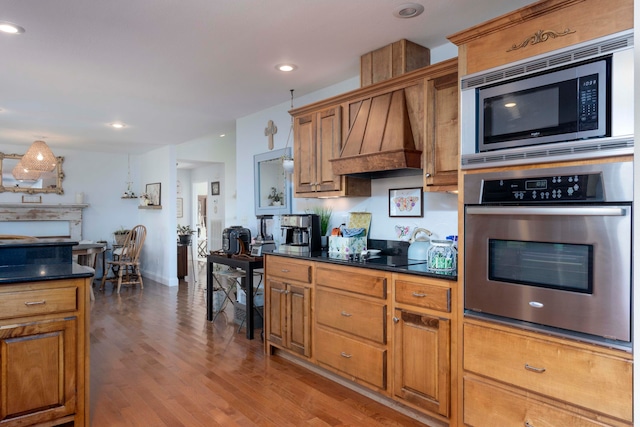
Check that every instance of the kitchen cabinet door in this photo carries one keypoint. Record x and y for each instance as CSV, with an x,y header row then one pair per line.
x,y
422,355
441,148
38,374
299,319
276,324
289,316
317,139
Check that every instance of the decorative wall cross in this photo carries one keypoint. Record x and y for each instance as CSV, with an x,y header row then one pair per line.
x,y
269,131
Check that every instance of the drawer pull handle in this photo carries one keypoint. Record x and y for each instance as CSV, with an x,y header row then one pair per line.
x,y
527,424
345,355
284,270
30,303
345,314
417,295
534,369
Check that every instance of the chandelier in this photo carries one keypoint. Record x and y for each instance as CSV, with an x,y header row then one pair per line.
x,y
39,158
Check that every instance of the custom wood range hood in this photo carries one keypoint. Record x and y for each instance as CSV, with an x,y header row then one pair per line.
x,y
380,142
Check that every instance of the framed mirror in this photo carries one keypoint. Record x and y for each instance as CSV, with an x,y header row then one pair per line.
x,y
271,187
46,182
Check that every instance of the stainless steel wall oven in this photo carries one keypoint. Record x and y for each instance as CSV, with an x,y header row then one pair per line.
x,y
551,249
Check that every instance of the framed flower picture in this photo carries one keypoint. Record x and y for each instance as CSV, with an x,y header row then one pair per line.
x,y
405,202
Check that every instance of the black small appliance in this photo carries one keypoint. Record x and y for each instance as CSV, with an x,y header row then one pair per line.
x,y
236,240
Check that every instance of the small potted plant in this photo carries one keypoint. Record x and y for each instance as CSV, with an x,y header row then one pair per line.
x,y
275,197
185,232
324,213
120,234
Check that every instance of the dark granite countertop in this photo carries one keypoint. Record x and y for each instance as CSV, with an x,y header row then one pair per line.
x,y
38,273
393,258
36,260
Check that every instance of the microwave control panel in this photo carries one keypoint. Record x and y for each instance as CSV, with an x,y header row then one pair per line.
x,y
561,188
588,102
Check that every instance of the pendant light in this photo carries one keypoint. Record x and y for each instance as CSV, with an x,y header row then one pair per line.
x,y
129,194
287,161
39,158
21,173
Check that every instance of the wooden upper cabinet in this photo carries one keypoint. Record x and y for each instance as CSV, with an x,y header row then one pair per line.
x,y
441,154
317,139
540,28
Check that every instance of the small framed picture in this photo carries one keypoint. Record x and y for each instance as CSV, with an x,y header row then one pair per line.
x,y
31,199
405,202
215,188
153,191
179,207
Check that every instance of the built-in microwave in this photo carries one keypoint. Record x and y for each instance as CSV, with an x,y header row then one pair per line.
x,y
561,105
574,103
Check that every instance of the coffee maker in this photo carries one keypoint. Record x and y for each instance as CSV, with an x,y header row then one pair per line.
x,y
300,233
264,240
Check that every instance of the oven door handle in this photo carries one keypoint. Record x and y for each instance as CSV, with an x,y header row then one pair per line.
x,y
555,211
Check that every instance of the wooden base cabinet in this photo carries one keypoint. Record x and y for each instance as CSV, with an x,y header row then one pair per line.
x,y
422,360
351,323
422,343
552,378
290,317
44,358
288,304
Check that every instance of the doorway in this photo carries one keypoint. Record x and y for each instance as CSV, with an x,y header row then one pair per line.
x,y
202,244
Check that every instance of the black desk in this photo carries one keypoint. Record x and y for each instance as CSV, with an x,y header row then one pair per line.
x,y
246,264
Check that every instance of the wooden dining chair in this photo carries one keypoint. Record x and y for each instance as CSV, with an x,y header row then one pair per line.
x,y
127,264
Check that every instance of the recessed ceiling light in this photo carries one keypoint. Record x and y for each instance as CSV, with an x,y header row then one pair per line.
x,y
10,28
222,135
408,10
286,67
117,125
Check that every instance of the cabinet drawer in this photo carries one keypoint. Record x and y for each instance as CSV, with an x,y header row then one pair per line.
x,y
565,372
352,357
36,302
423,295
351,314
490,405
289,269
358,280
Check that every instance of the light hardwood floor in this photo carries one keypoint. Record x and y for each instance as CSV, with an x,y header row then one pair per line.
x,y
156,361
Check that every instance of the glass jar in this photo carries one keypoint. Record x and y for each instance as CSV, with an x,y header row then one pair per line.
x,y
442,256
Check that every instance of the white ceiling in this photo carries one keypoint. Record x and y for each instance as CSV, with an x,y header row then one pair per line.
x,y
178,70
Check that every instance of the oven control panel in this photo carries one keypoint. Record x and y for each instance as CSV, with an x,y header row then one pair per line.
x,y
561,188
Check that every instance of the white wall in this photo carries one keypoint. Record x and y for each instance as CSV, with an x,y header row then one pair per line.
x,y
159,257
